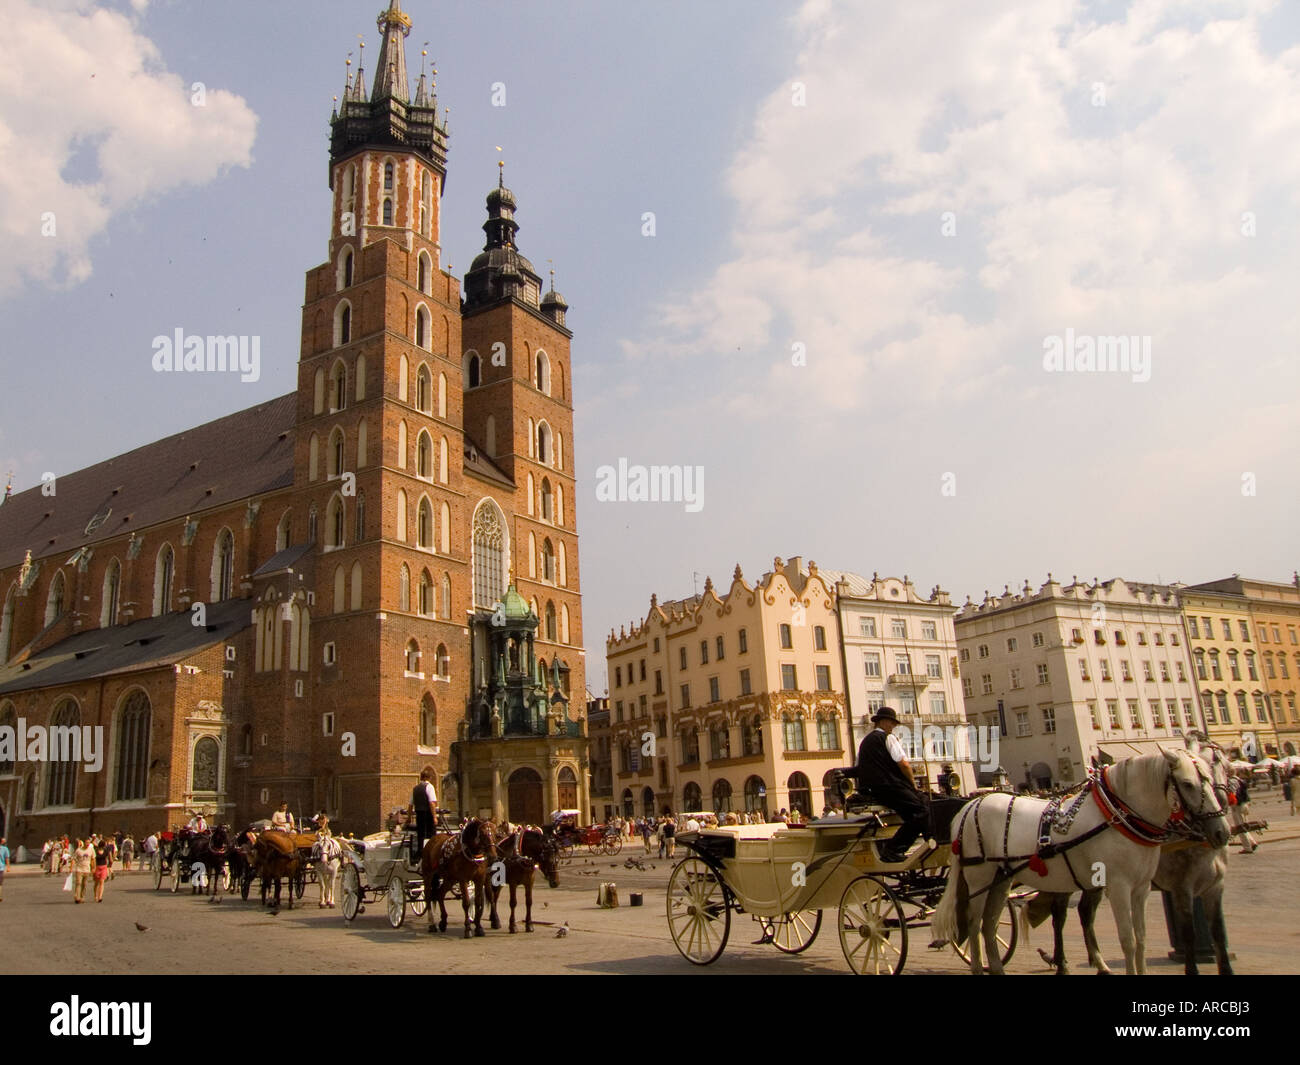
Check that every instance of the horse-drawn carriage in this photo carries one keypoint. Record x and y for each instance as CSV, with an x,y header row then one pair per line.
x,y
186,856
785,876
569,836
385,866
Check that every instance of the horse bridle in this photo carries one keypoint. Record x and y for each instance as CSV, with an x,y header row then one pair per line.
x,y
1183,809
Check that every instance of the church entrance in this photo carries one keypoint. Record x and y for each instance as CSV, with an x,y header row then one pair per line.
x,y
568,789
525,797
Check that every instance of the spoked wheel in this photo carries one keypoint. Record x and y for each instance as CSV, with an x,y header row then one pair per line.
x,y
597,848
395,897
873,931
156,864
613,844
298,884
177,862
699,912
793,933
419,904
1008,934
245,882
351,892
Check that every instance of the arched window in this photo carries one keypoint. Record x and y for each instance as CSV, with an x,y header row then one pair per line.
x,y
428,722
532,491
543,443
401,445
311,524
223,567
550,621
559,504
57,599
532,556
490,552
445,530
342,323
359,372
426,202
490,436
548,510
131,767
548,561
474,372
336,459
361,516
313,457
800,794
543,372
424,525
334,521
355,598
424,456
442,460
345,267
388,177
567,788
164,570
426,594
283,531
443,663
792,728
423,389
340,590
388,211
61,779
8,720
7,626
564,623
424,269
207,765
721,796
404,588
559,451
338,387
412,656
423,332
442,395
401,515
446,595
110,594
403,375
361,443
563,567
692,798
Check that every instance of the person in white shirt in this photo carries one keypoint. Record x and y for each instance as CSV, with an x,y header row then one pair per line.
x,y
282,819
197,823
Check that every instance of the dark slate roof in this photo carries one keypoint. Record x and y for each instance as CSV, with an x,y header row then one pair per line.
x,y
142,645
478,463
282,560
238,456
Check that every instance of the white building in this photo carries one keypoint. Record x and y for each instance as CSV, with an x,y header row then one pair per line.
x,y
1069,673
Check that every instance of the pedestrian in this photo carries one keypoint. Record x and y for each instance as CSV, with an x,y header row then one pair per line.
x,y
1248,843
103,850
670,836
128,852
4,864
645,833
83,863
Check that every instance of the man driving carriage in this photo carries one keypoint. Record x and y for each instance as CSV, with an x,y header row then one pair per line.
x,y
883,770
424,801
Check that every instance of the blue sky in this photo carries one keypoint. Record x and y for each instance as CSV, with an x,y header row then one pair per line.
x,y
918,194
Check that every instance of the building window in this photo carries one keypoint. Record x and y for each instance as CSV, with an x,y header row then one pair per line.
x,y
744,682
618,676
871,663
743,642
1014,678
1105,669
1227,629
719,741
714,697
1011,644
792,730
1038,639
1124,671
903,665
819,638
1112,708
686,696
965,654
1083,669
938,704
788,680
1134,714
828,738
934,667
490,547
130,776
718,649
1147,674
967,688
983,650
1193,628
1092,715
787,641
867,626
1164,671
681,657
823,678
659,682
224,567
1022,723
704,652
412,657
1049,719
986,683
928,631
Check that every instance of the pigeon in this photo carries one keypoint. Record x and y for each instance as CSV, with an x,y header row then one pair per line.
x,y
274,913
546,905
1046,957
562,931
140,927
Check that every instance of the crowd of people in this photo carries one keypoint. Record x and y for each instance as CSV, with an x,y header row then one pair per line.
x,y
87,862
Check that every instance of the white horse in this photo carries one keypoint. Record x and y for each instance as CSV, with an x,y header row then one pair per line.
x,y
327,855
1112,841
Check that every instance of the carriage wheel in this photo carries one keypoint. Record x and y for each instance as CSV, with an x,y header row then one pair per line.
x,y
176,874
351,892
298,884
699,912
873,930
596,847
793,933
245,882
613,844
1008,933
566,851
156,863
396,899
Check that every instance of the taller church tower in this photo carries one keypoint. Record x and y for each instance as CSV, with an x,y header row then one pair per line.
x,y
427,470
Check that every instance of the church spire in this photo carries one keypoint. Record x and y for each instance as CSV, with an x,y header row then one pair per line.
x,y
390,74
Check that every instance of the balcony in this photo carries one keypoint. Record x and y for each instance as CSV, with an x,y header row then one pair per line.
x,y
909,680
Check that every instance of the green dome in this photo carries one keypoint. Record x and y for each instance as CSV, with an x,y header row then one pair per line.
x,y
516,606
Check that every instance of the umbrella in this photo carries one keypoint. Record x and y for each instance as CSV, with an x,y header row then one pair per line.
x,y
1240,763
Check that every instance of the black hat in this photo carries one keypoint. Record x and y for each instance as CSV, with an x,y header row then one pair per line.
x,y
885,713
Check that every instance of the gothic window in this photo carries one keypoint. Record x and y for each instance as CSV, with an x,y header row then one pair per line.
x,y
313,457
359,372
388,177
401,445
355,601
404,589
445,530
334,522
428,722
543,373
336,459
547,508
490,435
282,532
474,374
543,443
559,504
340,588
388,212
56,601
401,515
564,624
446,595
550,621
442,462
426,594
344,279
207,758
343,323
443,662
130,774
61,786
489,554
442,395
422,332
311,524
412,657
424,525
403,373
223,567
424,457
338,386
361,516
361,443
548,561
426,202
532,505
562,576
423,270
112,590
422,389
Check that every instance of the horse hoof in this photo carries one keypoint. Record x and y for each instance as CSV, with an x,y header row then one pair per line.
x,y
479,933
431,930
528,928
513,930
469,934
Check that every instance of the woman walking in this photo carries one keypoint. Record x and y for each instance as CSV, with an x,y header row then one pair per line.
x,y
83,862
103,865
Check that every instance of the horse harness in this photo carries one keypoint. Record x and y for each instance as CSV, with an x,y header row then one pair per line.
x,y
1116,814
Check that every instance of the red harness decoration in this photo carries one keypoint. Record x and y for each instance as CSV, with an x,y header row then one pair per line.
x,y
1123,818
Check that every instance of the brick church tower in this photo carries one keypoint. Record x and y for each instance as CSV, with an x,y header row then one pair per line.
x,y
429,466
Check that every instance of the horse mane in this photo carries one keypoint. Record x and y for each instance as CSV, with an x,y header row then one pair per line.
x,y
1144,774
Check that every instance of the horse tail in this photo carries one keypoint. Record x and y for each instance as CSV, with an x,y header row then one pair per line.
x,y
949,915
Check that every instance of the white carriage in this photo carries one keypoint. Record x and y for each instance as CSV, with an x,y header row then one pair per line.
x,y
378,867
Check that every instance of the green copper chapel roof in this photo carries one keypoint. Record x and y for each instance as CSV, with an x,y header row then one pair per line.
x,y
516,606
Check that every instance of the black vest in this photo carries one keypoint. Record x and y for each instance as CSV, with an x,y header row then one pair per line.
x,y
420,799
876,766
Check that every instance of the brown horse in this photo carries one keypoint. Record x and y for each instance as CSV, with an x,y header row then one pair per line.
x,y
464,858
212,851
277,858
522,851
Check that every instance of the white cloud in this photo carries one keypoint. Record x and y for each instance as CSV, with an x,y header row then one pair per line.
x,y
81,85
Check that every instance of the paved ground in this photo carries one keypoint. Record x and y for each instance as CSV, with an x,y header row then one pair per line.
x,y
44,933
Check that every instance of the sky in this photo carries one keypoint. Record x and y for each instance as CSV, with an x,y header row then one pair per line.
x,y
852,262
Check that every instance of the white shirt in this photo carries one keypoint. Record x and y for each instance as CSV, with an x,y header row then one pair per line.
x,y
433,798
894,748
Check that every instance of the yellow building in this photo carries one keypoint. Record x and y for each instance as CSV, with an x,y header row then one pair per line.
x,y
1274,613
731,703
